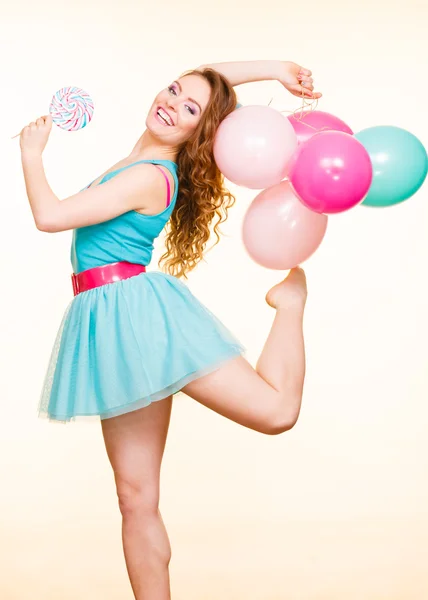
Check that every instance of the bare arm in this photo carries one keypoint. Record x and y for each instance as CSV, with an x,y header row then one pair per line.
x,y
248,71
289,74
127,191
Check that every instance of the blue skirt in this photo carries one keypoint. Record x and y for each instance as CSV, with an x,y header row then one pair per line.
x,y
124,345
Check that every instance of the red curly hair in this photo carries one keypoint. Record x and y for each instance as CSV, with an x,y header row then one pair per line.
x,y
202,197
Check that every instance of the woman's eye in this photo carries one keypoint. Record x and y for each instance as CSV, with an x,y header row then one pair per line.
x,y
190,109
171,89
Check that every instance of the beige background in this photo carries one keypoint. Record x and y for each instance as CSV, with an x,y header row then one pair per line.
x,y
337,508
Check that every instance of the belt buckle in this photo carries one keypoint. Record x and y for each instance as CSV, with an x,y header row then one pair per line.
x,y
75,283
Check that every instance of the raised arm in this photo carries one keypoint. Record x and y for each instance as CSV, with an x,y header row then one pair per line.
x,y
127,191
295,78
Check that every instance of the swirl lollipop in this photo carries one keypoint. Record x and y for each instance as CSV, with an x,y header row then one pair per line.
x,y
71,108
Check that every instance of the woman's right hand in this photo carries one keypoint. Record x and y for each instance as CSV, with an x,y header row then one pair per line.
x,y
35,136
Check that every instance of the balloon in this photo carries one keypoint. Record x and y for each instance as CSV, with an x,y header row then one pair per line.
x,y
400,164
309,122
278,231
331,172
253,146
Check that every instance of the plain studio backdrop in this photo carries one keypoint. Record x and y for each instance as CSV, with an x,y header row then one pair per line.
x,y
337,508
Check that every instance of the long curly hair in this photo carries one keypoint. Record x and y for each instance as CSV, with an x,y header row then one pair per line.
x,y
203,201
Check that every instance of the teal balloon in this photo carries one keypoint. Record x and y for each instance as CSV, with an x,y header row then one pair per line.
x,y
400,164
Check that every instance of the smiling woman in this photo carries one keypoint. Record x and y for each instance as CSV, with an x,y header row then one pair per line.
x,y
176,108
192,106
130,339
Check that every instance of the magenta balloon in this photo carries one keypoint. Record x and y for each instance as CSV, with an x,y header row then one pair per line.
x,y
278,231
331,172
254,145
309,122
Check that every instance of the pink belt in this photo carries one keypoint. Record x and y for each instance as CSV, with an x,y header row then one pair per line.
x,y
98,276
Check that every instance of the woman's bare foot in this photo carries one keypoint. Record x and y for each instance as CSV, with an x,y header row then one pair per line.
x,y
290,292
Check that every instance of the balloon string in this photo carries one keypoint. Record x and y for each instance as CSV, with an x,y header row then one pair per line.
x,y
300,113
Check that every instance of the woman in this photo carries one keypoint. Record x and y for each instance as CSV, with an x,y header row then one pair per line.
x,y
129,338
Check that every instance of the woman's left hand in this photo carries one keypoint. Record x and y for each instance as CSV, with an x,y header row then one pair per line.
x,y
298,80
34,137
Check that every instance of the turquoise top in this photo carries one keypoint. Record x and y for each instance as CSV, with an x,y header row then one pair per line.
x,y
128,237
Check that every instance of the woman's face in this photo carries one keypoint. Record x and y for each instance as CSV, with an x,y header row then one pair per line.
x,y
177,110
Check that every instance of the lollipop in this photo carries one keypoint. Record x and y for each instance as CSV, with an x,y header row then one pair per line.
x,y
71,108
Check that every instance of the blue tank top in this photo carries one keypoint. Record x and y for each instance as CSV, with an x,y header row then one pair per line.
x,y
128,237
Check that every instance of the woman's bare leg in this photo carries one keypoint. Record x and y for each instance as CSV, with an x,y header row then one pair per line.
x,y
268,398
135,444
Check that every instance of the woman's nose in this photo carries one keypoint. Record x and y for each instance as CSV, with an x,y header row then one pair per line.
x,y
172,103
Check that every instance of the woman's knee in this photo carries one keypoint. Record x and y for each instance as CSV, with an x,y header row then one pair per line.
x,y
278,421
137,497
139,506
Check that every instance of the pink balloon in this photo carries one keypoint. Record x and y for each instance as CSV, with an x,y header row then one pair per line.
x,y
278,231
253,146
331,172
309,122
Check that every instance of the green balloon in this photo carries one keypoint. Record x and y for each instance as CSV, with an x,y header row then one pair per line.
x,y
400,164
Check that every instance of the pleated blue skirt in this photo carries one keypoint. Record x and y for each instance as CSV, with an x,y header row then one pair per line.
x,y
124,345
